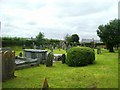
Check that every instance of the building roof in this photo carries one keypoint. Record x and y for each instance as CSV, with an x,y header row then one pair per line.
x,y
90,40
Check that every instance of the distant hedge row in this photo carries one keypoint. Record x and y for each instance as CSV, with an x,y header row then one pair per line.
x,y
14,41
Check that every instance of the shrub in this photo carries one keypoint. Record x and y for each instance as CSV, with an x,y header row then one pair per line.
x,y
49,61
80,56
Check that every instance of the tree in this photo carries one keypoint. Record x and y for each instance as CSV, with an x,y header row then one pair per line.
x,y
39,38
68,38
110,34
75,38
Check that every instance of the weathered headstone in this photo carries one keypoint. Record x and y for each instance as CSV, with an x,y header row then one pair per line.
x,y
49,61
20,54
24,46
51,48
41,47
63,58
45,85
8,64
68,47
35,46
98,50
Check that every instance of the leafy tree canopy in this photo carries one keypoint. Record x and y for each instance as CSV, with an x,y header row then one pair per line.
x,y
72,38
110,34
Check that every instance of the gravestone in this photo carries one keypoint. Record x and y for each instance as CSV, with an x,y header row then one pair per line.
x,y
8,64
41,47
63,58
20,54
49,61
45,85
35,46
68,47
57,57
51,48
24,46
98,50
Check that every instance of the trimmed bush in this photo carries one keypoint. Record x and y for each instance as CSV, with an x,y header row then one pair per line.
x,y
80,56
49,61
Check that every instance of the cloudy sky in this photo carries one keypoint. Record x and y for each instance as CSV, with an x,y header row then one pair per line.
x,y
55,18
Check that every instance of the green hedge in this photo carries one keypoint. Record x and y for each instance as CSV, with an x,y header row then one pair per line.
x,y
80,56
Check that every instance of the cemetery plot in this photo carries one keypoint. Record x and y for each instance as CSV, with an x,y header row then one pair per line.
x,y
26,62
32,57
41,55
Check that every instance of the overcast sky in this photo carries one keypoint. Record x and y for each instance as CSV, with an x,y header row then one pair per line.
x,y
55,18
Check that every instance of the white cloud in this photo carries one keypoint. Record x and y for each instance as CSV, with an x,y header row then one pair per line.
x,y
55,18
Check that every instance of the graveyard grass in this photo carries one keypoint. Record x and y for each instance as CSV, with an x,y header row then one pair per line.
x,y
102,74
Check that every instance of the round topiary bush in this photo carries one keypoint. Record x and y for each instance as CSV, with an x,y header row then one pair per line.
x,y
80,56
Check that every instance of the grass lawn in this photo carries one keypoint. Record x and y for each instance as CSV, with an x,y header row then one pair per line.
x,y
102,74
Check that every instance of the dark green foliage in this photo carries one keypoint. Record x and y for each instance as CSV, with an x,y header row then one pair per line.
x,y
39,39
49,61
75,38
63,58
72,39
15,41
110,34
28,42
80,56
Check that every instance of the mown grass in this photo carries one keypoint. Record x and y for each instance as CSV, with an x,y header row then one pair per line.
x,y
102,74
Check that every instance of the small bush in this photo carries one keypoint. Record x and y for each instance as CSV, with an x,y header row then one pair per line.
x,y
80,56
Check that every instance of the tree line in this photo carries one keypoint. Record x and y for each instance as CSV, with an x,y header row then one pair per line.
x,y
38,40
108,33
28,42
